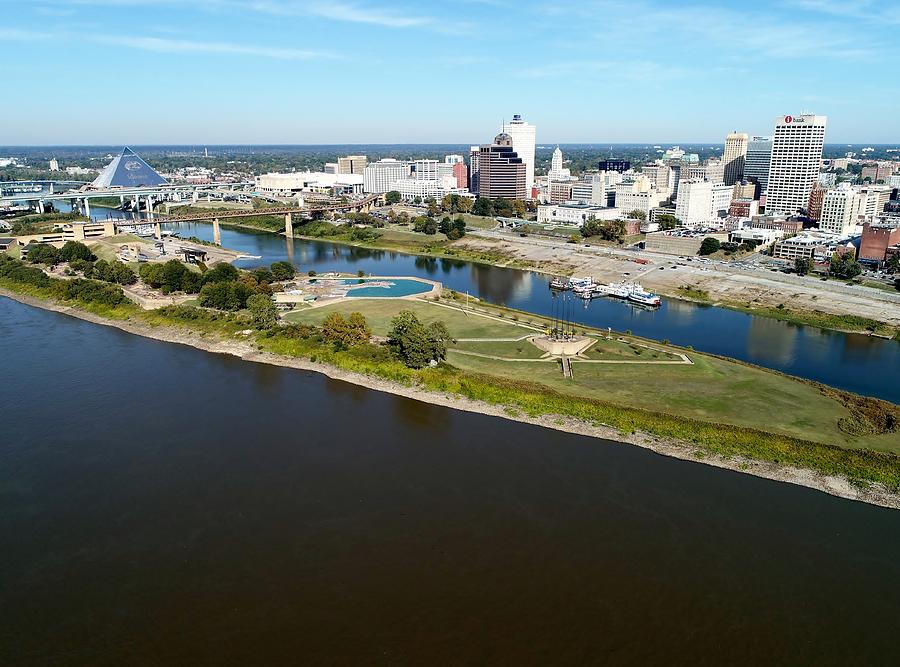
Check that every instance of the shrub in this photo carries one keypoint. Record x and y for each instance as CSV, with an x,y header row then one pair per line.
x,y
283,271
74,250
263,312
43,254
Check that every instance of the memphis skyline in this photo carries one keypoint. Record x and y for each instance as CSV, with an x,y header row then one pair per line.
x,y
147,72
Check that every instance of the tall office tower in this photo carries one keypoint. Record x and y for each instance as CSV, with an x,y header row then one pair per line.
x,y
614,165
816,199
473,168
461,174
557,173
54,165
840,209
523,138
453,159
735,153
352,164
796,157
757,160
378,176
694,204
501,172
426,170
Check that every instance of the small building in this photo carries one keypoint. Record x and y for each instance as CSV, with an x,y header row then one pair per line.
x,y
876,239
7,243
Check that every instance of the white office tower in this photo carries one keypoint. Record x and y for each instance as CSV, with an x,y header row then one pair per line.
x,y
735,154
872,201
694,204
425,170
840,209
453,159
720,200
796,157
378,176
523,139
557,173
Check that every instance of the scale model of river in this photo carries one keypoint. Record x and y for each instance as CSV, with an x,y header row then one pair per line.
x,y
163,505
859,363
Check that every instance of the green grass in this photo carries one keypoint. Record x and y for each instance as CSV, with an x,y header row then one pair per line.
x,y
615,350
521,349
711,390
693,292
379,313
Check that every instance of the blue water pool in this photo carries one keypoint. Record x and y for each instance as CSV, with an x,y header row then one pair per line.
x,y
384,287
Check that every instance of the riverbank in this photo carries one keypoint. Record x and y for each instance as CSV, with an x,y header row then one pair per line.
x,y
759,295
516,405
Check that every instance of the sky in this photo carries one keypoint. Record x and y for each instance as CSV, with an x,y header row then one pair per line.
x,y
358,71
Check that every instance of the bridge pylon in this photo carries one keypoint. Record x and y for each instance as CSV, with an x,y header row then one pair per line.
x,y
217,232
288,225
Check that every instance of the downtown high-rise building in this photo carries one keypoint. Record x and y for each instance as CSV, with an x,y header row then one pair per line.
x,y
523,136
352,164
797,145
501,172
757,161
379,176
735,154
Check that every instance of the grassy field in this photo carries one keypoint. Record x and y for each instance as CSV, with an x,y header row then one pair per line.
x,y
616,350
379,313
711,389
520,349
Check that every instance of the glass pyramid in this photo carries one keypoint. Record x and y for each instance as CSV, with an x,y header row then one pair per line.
x,y
127,170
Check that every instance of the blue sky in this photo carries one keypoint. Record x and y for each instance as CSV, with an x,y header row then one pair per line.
x,y
357,71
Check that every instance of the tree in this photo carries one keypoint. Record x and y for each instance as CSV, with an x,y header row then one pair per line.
x,y
415,344
43,254
348,332
433,208
263,312
75,250
282,271
503,207
446,225
803,265
709,246
844,266
417,200
392,197
220,273
483,207
893,263
519,208
667,221
464,204
225,295
637,215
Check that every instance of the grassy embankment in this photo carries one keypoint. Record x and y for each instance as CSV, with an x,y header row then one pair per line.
x,y
814,318
780,419
711,389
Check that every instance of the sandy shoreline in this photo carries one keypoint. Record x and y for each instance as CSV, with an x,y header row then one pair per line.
x,y
686,451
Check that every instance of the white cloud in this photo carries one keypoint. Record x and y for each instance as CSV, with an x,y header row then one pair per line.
x,y
165,45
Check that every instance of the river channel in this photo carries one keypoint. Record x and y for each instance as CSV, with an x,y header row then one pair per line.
x,y
163,505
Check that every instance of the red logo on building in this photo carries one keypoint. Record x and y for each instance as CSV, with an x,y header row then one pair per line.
x,y
788,119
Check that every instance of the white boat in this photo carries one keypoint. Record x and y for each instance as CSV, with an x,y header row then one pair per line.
x,y
249,257
644,298
584,288
619,290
